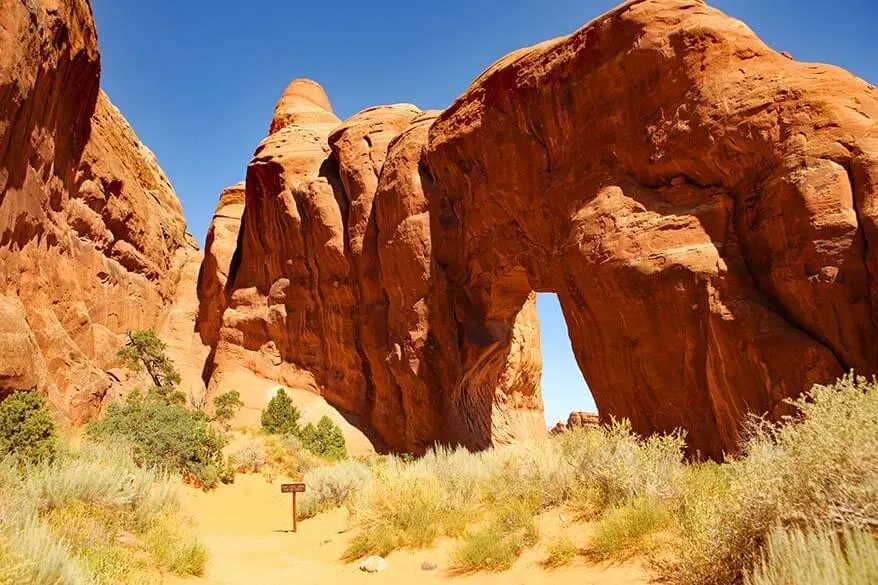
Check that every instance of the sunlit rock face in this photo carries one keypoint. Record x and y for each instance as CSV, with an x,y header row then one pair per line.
x,y
702,205
92,235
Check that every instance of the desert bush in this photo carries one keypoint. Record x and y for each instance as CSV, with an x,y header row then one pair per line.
x,y
510,530
62,519
561,552
13,568
325,439
816,556
628,530
225,406
165,436
409,503
612,466
402,512
27,430
249,457
818,467
281,417
331,486
285,455
176,550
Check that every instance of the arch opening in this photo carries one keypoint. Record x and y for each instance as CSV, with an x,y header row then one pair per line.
x,y
564,387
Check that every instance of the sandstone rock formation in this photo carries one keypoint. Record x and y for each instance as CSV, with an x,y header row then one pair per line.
x,y
219,248
703,206
91,232
577,420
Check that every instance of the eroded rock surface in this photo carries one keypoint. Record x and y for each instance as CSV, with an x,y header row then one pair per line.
x,y
90,227
703,206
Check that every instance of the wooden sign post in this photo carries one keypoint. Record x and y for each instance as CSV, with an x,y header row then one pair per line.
x,y
293,488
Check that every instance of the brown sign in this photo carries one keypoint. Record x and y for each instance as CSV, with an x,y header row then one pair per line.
x,y
292,488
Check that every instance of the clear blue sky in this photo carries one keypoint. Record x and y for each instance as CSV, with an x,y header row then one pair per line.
x,y
198,80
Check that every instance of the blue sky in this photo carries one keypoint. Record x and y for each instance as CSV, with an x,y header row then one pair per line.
x,y
198,80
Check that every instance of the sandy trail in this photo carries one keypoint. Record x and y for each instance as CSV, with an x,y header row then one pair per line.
x,y
246,528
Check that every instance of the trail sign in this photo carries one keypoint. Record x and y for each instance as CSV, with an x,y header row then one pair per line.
x,y
293,488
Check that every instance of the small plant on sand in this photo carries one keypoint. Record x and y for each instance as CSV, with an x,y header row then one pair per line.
x,y
628,530
496,546
561,553
286,456
281,417
817,556
325,440
332,486
249,457
27,431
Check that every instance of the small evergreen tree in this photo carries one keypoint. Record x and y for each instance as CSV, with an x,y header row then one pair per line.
x,y
144,351
326,439
27,430
225,406
281,417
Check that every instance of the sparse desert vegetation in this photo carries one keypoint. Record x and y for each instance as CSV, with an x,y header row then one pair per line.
x,y
808,483
798,505
92,516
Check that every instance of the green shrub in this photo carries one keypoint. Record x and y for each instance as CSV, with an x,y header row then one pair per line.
x,y
561,553
510,530
27,430
325,440
626,531
818,556
165,436
143,350
281,417
332,486
225,406
820,467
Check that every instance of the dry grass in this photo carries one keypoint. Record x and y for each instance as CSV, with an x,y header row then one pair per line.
x,y
87,518
495,546
561,553
628,530
818,556
818,468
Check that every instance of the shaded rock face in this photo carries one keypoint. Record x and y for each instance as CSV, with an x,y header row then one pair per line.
x,y
703,206
91,232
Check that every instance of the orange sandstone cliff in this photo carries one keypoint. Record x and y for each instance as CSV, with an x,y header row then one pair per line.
x,y
703,206
92,235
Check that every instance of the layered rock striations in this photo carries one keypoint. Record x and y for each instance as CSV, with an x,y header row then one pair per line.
x,y
703,206
92,235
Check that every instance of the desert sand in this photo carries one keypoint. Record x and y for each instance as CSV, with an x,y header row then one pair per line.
x,y
247,529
